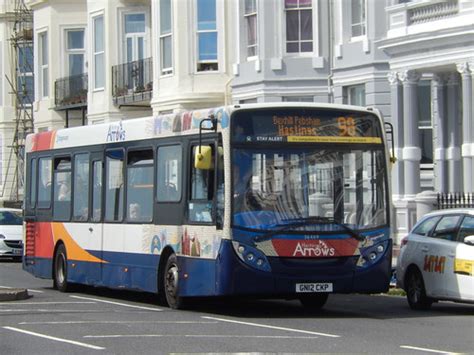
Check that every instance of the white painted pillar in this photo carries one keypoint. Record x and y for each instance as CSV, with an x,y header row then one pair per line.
x,y
411,149
467,126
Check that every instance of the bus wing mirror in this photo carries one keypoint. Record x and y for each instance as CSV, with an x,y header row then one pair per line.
x,y
203,158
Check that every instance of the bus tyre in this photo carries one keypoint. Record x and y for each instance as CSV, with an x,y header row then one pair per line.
x,y
60,269
314,301
416,293
171,282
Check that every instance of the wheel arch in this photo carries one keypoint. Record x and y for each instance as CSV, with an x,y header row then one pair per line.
x,y
165,254
53,264
411,268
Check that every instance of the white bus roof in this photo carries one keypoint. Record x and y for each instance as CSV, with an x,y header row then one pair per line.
x,y
151,127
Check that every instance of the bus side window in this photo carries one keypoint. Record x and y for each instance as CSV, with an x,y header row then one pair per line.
x,y
81,187
202,192
44,186
114,189
62,189
140,185
169,174
96,190
33,183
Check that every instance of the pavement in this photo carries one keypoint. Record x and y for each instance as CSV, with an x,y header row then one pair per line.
x,y
13,294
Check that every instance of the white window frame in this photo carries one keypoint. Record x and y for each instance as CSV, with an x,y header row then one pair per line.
x,y
29,74
313,24
163,35
95,53
425,125
353,88
362,22
67,51
247,18
136,35
43,68
196,41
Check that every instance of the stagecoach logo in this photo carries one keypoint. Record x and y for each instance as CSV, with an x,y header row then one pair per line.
x,y
314,249
116,133
60,139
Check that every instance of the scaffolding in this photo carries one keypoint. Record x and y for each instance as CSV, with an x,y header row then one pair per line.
x,y
21,83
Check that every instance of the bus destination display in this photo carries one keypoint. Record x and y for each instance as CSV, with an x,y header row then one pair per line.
x,y
295,127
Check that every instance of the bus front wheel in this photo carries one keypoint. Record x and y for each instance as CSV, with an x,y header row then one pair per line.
x,y
171,282
314,301
60,269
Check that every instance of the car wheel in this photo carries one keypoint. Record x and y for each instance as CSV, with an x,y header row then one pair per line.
x,y
171,282
60,269
315,301
416,293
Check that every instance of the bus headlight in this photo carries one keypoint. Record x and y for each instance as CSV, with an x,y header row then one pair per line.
x,y
251,256
371,255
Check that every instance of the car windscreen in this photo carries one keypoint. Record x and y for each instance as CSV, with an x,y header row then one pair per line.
x,y
11,218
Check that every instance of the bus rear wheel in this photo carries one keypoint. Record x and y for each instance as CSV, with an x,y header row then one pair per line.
x,y
314,301
171,282
60,269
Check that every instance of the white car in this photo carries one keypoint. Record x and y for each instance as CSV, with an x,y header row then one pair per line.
x,y
11,233
436,259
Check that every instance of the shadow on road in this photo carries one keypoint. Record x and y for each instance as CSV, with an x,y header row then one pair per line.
x,y
338,306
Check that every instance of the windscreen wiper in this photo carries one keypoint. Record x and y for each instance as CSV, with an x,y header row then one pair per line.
x,y
298,222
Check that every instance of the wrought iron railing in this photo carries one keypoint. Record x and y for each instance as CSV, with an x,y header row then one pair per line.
x,y
71,91
455,200
132,82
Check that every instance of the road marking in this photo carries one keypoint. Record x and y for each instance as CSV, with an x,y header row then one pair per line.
x,y
425,349
76,302
117,303
118,322
274,327
50,310
55,338
197,336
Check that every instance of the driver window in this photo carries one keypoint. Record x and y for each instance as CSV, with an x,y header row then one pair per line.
x,y
466,229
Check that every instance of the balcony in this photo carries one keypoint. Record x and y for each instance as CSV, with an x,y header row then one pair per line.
x,y
132,82
70,92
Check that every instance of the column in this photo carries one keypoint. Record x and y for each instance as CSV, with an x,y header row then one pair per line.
x,y
467,126
411,149
453,153
397,122
440,122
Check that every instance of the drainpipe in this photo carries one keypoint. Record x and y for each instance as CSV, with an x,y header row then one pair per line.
x,y
330,52
226,90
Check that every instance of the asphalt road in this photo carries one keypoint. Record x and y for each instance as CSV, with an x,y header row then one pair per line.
x,y
95,320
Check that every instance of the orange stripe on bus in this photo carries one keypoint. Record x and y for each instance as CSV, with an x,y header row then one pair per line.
x,y
74,251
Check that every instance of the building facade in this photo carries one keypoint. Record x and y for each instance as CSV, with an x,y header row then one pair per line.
x,y
16,96
100,61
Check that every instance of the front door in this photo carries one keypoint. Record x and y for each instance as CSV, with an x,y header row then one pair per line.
x,y
463,255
